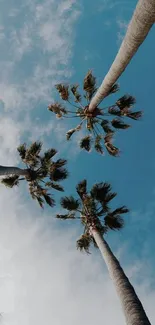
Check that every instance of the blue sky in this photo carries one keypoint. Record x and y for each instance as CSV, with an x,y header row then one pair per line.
x,y
43,43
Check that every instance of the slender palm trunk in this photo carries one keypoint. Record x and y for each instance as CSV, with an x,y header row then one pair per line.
x,y
139,26
132,307
6,171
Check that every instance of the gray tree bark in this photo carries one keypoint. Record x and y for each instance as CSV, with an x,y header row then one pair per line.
x,y
7,171
132,307
139,26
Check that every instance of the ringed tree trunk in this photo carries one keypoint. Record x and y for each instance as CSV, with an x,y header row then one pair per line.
x,y
138,28
132,307
7,171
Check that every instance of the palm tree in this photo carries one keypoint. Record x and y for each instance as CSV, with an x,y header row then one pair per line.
x,y
41,172
102,123
139,26
97,218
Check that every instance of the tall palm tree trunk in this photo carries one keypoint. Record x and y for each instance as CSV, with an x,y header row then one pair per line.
x,y
6,171
139,26
132,307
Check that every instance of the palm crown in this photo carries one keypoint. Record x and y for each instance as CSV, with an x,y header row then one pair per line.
x,y
102,122
43,174
94,211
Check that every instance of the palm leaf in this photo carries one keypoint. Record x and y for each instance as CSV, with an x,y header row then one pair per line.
x,y
100,191
105,126
32,154
113,151
76,93
58,174
114,89
89,84
81,188
110,196
125,101
49,200
34,149
120,210
63,91
10,181
70,133
83,243
98,147
60,162
118,124
113,110
66,216
135,115
85,143
40,201
114,223
70,203
58,109
22,151
49,154
55,186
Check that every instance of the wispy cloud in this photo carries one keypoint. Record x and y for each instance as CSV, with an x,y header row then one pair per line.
x,y
122,26
38,37
49,281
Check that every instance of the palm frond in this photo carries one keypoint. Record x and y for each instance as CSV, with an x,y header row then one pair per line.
x,y
118,124
70,133
113,110
108,137
110,196
34,149
97,145
10,181
100,191
58,174
58,109
83,243
22,150
81,188
113,223
76,93
89,84
113,151
50,153
120,210
48,199
85,143
69,203
114,89
68,216
40,201
54,186
135,115
32,154
63,91
125,101
105,126
60,163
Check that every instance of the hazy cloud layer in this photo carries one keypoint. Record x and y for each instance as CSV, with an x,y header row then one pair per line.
x,y
44,279
39,37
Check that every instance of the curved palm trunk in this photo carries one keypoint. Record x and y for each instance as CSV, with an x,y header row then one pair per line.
x,y
6,171
139,26
132,307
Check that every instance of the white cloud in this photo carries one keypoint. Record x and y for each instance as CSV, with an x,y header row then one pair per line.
x,y
122,25
9,138
44,279
41,42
